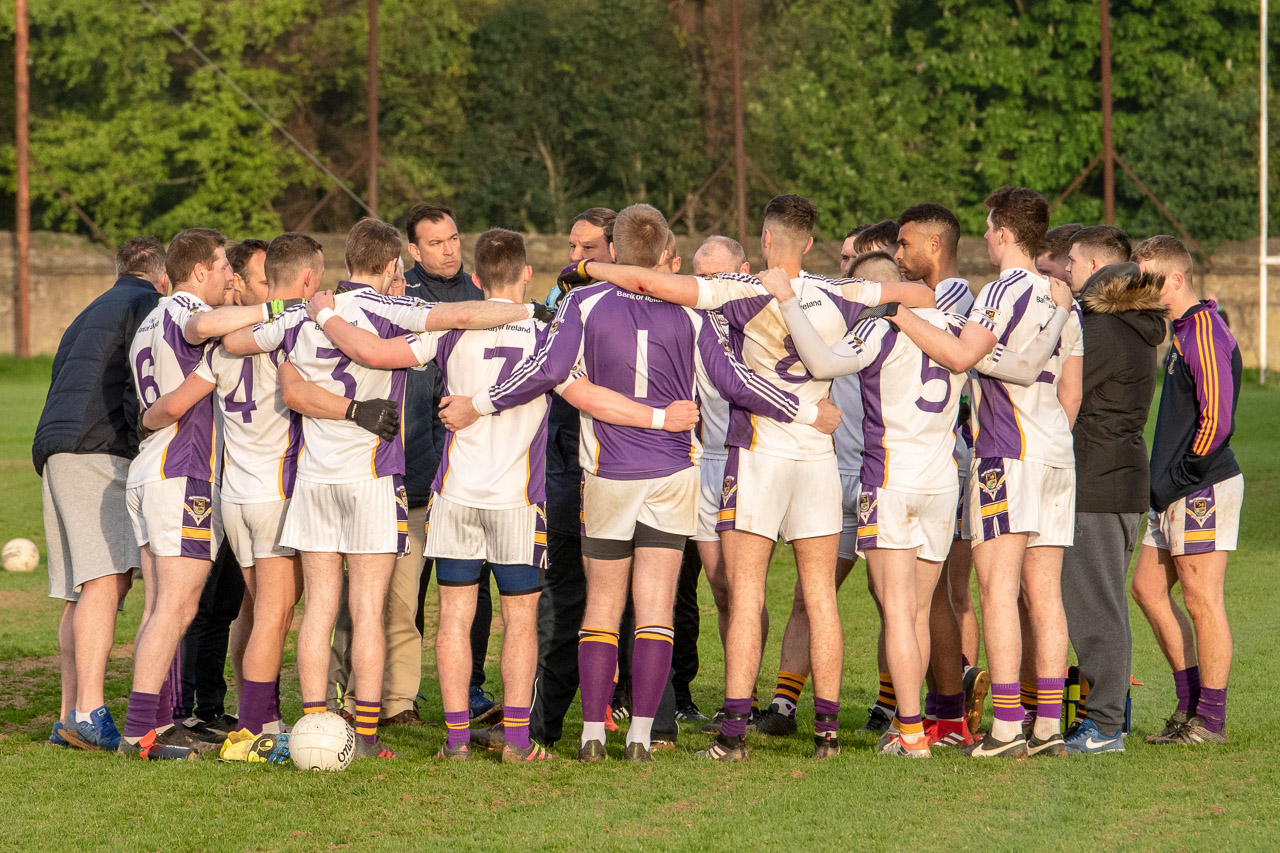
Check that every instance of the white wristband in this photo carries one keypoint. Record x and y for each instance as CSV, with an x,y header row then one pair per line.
x,y
266,311
324,316
659,418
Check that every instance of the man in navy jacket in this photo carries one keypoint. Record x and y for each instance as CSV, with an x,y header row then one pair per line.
x,y
88,433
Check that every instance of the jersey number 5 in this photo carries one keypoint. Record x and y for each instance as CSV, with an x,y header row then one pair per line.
x,y
930,371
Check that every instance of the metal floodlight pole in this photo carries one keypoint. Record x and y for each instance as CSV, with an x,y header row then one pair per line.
x,y
22,294
372,109
739,140
1108,150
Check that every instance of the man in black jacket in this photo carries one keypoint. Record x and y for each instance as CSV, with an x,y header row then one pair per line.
x,y
1124,322
88,433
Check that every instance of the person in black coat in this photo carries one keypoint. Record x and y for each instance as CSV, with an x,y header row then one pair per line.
x,y
86,437
1124,322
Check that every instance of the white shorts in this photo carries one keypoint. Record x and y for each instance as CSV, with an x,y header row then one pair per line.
x,y
850,488
504,537
712,473
611,508
1204,521
254,530
177,517
904,520
1020,496
366,517
772,496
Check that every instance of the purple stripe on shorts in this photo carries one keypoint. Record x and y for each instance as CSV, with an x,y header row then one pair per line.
x,y
197,520
993,497
868,518
1200,517
729,493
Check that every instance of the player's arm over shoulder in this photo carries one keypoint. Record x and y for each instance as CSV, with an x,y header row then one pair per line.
x,y
367,348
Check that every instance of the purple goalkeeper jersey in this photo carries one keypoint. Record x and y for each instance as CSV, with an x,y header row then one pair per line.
x,y
645,349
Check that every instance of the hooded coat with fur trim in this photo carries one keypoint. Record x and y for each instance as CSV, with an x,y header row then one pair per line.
x,y
1124,322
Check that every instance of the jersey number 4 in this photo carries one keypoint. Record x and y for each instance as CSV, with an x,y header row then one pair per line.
x,y
245,406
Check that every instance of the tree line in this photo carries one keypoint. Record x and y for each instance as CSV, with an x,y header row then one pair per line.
x,y
521,113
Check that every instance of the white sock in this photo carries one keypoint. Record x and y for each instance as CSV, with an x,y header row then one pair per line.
x,y
162,729
1046,727
275,727
83,717
1005,729
640,730
592,731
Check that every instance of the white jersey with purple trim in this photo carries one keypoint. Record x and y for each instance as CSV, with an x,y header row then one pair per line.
x,y
910,406
1015,421
340,451
759,336
499,462
261,435
953,296
161,359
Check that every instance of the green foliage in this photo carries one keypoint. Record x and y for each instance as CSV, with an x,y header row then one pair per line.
x,y
575,103
523,112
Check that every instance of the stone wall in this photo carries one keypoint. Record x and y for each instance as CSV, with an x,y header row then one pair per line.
x,y
68,271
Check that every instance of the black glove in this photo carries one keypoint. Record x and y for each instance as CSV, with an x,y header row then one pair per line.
x,y
886,309
573,275
542,313
380,417
276,307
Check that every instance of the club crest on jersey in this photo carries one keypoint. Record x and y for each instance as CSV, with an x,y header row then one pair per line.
x,y
991,481
728,490
199,509
1199,508
989,313
865,505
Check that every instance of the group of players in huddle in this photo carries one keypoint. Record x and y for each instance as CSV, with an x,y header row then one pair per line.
x,y
905,422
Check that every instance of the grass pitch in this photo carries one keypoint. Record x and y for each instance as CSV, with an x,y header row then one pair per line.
x,y
1146,798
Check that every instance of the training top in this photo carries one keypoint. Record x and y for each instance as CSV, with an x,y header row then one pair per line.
x,y
1015,421
910,403
650,351
759,337
497,462
341,451
160,359
261,436
1192,445
713,410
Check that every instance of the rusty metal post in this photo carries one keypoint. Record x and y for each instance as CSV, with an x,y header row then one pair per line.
x,y
739,133
372,108
1108,150
22,295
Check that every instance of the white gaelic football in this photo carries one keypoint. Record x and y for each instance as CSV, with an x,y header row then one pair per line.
x,y
20,555
322,742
